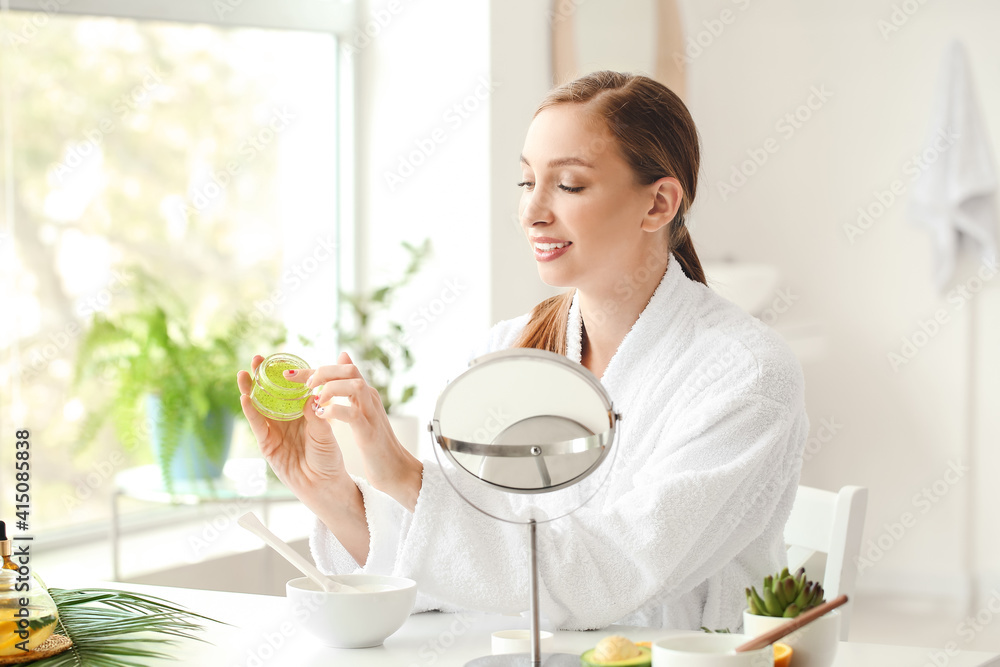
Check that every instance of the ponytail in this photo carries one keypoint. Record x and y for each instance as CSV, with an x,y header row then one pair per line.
x,y
546,329
683,248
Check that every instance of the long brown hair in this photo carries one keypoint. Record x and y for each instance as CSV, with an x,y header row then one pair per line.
x,y
656,135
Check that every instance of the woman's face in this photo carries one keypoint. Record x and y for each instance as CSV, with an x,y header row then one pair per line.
x,y
586,218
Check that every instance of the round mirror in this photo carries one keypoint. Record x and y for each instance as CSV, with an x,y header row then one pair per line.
x,y
525,421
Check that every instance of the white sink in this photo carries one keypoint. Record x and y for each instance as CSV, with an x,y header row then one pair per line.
x,y
749,285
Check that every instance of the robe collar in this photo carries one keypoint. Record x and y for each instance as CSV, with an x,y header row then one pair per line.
x,y
644,332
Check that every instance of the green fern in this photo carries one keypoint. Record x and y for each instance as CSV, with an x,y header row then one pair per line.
x,y
112,628
149,350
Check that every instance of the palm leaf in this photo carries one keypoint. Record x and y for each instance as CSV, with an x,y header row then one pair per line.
x,y
112,628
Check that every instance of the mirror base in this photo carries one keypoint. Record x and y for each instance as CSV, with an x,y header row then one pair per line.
x,y
524,660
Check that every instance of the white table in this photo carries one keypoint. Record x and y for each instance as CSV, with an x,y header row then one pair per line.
x,y
264,635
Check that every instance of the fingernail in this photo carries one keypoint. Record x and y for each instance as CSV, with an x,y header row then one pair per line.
x,y
321,411
289,372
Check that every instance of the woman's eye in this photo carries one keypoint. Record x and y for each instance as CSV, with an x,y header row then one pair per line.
x,y
529,185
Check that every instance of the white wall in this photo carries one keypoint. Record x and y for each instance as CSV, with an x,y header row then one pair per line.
x,y
426,58
898,430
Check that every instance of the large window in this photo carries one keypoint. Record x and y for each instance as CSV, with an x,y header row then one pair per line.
x,y
204,156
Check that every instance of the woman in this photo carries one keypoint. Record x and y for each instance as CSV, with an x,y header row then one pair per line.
x,y
714,422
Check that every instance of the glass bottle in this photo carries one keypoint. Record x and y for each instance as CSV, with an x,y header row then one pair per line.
x,y
5,549
39,623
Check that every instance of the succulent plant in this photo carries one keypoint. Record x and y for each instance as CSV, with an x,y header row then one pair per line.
x,y
785,595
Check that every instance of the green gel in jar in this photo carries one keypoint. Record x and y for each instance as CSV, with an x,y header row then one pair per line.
x,y
273,395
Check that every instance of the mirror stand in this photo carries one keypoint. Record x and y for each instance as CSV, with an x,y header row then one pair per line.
x,y
559,427
535,658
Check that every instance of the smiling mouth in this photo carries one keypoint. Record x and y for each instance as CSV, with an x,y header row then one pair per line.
x,y
548,252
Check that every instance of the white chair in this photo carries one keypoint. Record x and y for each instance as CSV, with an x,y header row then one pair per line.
x,y
831,523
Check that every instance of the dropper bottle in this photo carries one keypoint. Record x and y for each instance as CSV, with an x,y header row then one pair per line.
x,y
5,549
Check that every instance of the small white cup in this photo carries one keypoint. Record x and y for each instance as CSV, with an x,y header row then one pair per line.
x,y
709,650
813,645
519,641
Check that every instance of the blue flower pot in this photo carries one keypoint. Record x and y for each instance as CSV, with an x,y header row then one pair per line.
x,y
190,460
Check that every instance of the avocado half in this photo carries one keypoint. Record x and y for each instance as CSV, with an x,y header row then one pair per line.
x,y
644,659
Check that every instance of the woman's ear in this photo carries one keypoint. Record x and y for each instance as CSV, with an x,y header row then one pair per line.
x,y
667,196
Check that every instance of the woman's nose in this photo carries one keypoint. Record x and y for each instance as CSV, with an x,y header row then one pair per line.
x,y
535,209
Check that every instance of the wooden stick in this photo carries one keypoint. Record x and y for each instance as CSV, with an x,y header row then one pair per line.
x,y
793,624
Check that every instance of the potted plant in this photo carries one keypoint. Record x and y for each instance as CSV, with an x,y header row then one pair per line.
x,y
161,385
783,597
380,348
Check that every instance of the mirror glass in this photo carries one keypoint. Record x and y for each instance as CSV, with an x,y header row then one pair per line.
x,y
525,421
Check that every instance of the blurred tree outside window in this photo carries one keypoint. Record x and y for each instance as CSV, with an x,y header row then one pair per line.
x,y
205,155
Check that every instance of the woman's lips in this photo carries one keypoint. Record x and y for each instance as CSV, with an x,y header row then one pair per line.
x,y
549,255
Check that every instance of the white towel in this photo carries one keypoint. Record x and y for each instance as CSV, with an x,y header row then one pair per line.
x,y
953,197
692,512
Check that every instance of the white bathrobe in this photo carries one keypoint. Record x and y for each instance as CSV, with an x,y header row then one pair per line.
x,y
693,510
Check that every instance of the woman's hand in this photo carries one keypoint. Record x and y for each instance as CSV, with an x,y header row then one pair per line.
x,y
388,466
303,452
305,456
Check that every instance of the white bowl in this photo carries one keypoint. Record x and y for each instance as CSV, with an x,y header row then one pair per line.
x,y
709,650
352,620
814,645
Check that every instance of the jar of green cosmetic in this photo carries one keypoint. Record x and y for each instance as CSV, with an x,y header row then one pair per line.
x,y
273,394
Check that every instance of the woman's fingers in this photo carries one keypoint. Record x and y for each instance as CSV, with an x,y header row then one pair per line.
x,y
333,372
341,413
299,375
258,423
309,410
317,376
320,430
353,389
244,382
